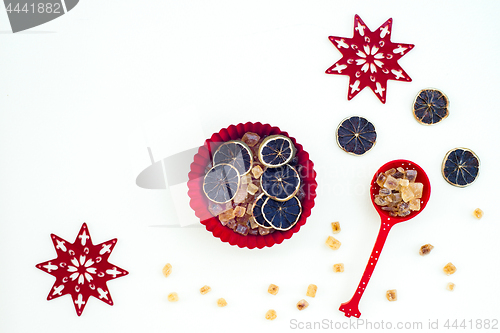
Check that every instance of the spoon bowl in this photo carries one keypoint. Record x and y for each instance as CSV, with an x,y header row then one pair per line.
x,y
387,222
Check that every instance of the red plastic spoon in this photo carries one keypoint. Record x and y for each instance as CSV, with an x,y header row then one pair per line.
x,y
351,308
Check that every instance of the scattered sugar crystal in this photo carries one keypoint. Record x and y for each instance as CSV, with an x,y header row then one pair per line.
x,y
167,270
396,197
205,289
338,268
398,175
253,224
391,295
239,211
250,138
449,269
415,204
332,243
478,213
425,249
252,189
264,231
381,201
271,315
243,219
400,169
335,227
404,182
407,194
227,215
257,171
450,286
215,209
391,183
311,290
273,289
403,209
411,175
390,172
173,297
381,179
302,304
384,191
242,229
246,179
231,224
221,302
417,189
253,232
241,194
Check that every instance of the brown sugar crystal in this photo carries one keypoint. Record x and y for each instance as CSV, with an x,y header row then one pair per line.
x,y
239,211
449,269
205,289
173,297
425,249
311,290
391,295
273,289
167,270
338,268
271,315
250,138
335,227
478,213
332,243
302,304
257,171
450,286
221,302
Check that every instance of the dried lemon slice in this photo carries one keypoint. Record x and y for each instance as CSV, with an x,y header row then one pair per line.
x,y
276,150
235,153
280,183
282,215
460,167
221,183
430,106
356,135
257,211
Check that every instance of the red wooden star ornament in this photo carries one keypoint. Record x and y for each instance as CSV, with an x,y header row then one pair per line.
x,y
370,59
81,269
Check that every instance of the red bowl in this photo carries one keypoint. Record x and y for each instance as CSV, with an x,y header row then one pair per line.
x,y
199,202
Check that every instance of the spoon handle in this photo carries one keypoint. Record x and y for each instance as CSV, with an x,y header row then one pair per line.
x,y
351,308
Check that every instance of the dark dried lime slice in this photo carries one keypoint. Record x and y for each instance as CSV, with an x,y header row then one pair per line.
x,y
257,211
276,150
430,106
356,135
280,183
235,153
221,183
282,215
460,167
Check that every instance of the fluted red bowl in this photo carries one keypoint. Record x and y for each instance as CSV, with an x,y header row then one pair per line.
x,y
199,201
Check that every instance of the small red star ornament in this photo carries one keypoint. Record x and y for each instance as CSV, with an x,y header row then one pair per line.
x,y
370,59
81,269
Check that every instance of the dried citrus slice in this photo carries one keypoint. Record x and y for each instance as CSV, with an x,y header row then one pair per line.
x,y
430,106
356,135
235,153
257,211
276,150
460,167
282,215
280,183
221,183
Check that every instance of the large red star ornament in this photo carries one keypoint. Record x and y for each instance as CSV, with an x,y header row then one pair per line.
x,y
81,269
370,59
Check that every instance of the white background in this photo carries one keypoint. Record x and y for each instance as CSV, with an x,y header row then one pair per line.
x,y
73,91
